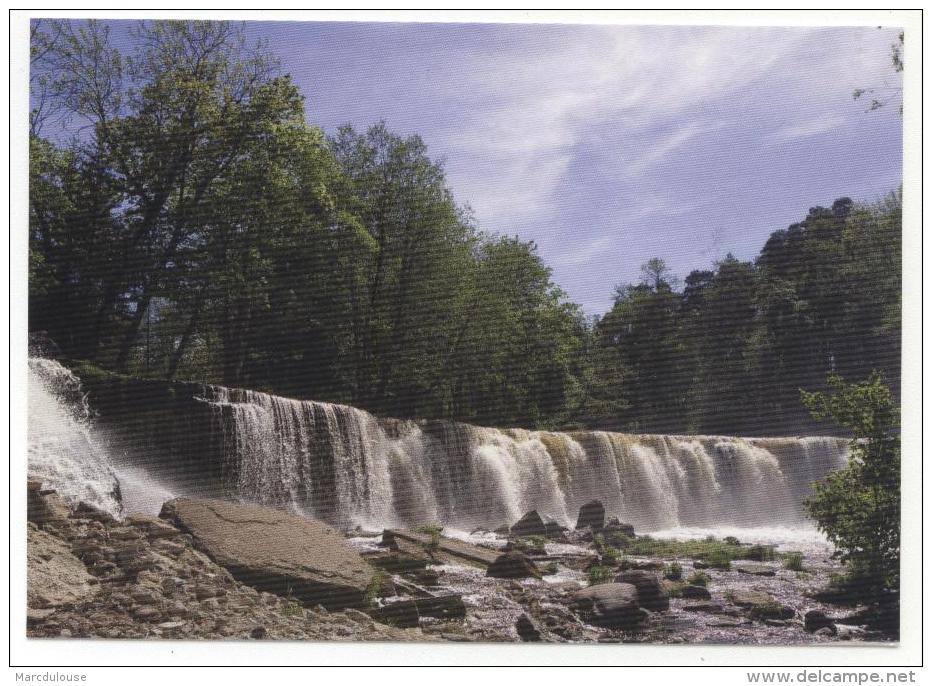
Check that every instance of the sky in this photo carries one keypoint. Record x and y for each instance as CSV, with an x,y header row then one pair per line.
x,y
609,145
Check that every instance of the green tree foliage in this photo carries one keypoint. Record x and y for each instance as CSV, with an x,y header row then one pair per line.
x,y
858,507
195,225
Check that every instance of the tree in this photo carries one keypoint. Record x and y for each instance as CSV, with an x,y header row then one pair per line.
x,y
883,95
858,507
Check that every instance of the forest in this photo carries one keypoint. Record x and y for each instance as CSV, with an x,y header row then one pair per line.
x,y
193,224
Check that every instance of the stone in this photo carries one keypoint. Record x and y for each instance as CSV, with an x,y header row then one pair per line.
x,y
87,511
44,507
761,605
54,576
259,633
513,565
619,528
407,613
755,569
152,526
591,515
817,619
651,595
554,529
397,562
527,629
712,608
826,631
530,524
612,606
275,551
695,592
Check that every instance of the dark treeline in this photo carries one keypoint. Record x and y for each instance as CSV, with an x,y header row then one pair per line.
x,y
197,226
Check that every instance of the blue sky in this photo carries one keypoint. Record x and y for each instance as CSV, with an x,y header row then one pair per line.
x,y
608,145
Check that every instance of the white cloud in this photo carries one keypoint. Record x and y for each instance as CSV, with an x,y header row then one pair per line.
x,y
814,127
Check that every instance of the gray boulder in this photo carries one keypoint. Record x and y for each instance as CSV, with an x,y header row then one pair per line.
x,y
591,515
612,606
650,592
696,592
513,565
814,620
275,551
530,524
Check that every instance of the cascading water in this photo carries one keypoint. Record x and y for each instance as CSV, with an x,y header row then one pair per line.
x,y
344,465
64,453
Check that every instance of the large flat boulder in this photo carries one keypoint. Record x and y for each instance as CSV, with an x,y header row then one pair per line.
x,y
651,594
275,551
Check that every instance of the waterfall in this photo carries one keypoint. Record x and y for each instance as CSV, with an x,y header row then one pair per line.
x,y
348,467
64,451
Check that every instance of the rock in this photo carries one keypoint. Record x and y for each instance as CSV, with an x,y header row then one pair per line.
x,y
275,551
761,605
650,593
817,619
616,527
407,613
591,515
399,562
699,564
529,525
826,631
153,527
54,576
43,507
612,606
513,565
527,630
146,613
711,608
36,616
693,592
554,529
87,511
755,569
259,633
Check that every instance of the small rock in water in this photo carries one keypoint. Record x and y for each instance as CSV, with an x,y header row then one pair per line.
x,y
530,524
527,630
591,515
513,565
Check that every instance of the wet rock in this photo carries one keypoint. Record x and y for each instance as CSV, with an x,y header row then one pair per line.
x,y
694,592
650,592
513,565
399,562
527,630
755,569
612,606
407,613
275,551
591,516
554,529
530,524
817,619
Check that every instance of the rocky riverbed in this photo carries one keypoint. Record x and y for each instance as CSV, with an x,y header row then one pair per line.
x,y
220,570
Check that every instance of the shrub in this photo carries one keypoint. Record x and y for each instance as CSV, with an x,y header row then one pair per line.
x,y
761,553
598,574
673,572
375,587
530,545
432,530
698,579
731,540
719,559
610,555
793,561
858,507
